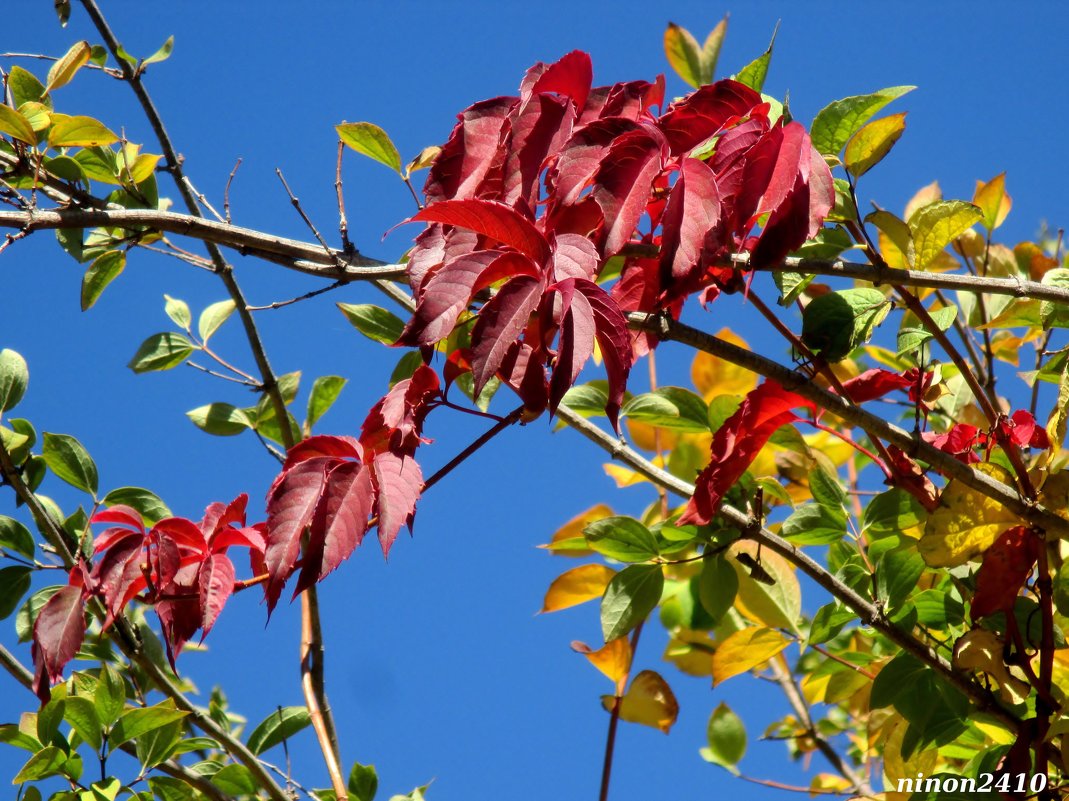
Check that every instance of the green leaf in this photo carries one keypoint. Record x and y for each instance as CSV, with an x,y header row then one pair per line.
x,y
837,322
28,612
161,352
838,121
235,780
717,586
155,746
897,573
372,141
896,678
753,74
1051,314
363,782
11,734
826,488
673,408
621,538
15,537
135,722
213,317
325,391
105,268
63,70
373,321
162,54
80,132
868,146
14,583
683,53
587,400
406,366
68,459
147,502
46,762
220,419
937,225
166,788
711,50
828,622
178,311
630,597
110,695
891,512
727,738
280,725
814,524
81,713
16,125
14,377
25,88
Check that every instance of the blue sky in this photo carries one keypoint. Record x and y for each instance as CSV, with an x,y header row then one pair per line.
x,y
437,666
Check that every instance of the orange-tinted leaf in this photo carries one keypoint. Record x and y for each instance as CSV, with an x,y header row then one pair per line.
x,y
576,586
1006,567
613,658
993,201
745,650
649,701
713,376
568,540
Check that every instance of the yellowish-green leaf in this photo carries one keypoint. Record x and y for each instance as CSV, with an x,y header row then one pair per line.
x,y
576,586
896,240
38,115
937,225
568,540
929,193
63,70
683,53
713,376
105,268
754,73
424,159
16,125
777,604
372,141
838,121
966,523
648,701
745,650
162,54
25,88
144,165
80,132
213,317
613,658
993,201
711,50
874,141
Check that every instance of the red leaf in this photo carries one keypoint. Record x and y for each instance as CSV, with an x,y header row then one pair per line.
x,y
630,100
537,132
118,575
110,537
580,157
218,517
875,383
57,635
574,256
337,447
184,533
340,523
1021,429
907,474
449,291
576,341
398,481
500,322
396,421
622,184
120,514
736,444
180,613
701,114
215,584
469,154
1006,567
249,537
525,374
614,339
691,226
569,77
492,219
290,508
433,247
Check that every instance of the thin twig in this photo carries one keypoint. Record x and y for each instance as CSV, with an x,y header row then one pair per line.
x,y
614,717
278,304
203,200
343,223
226,191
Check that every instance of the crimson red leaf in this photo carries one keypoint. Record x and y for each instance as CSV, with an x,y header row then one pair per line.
x,y
396,421
574,256
1006,567
630,100
492,219
340,523
576,340
875,383
433,247
118,575
736,444
249,537
218,517
215,584
524,373
541,127
907,474
338,447
184,533
180,613
398,481
470,152
614,339
57,635
623,182
290,508
581,155
570,77
703,113
690,224
773,167
121,514
500,322
110,537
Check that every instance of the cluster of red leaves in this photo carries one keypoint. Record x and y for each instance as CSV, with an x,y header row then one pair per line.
x,y
178,566
963,440
331,488
533,194
1006,567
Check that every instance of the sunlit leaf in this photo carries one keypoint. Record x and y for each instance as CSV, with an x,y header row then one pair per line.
x,y
613,658
745,650
576,586
63,70
991,198
726,736
683,53
648,701
80,132
874,141
371,141
841,119
937,225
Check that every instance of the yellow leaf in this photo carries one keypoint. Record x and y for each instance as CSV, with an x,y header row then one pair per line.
x,y
924,196
425,158
981,650
745,650
63,70
16,125
824,783
966,523
895,767
80,132
993,201
713,376
568,539
650,438
683,53
613,658
937,225
649,701
777,605
691,652
874,141
580,584
629,478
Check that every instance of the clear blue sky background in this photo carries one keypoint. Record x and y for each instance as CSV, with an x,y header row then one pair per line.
x,y
437,665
